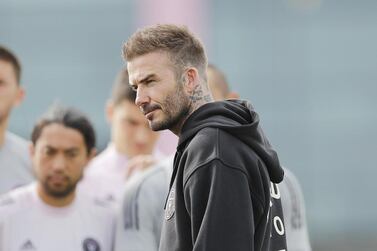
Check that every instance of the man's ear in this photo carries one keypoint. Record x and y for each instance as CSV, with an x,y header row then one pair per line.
x,y
109,111
91,155
233,95
191,79
20,96
31,150
32,154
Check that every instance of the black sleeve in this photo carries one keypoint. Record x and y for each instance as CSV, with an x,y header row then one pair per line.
x,y
218,200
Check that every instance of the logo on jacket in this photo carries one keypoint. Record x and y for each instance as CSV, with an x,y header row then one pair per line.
x,y
90,244
170,207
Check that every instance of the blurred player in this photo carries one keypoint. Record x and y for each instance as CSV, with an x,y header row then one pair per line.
x,y
15,166
48,214
139,220
222,194
132,145
291,194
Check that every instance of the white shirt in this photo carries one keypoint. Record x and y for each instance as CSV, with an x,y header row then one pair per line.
x,y
15,165
29,224
105,176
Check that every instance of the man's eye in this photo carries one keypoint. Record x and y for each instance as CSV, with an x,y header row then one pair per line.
x,y
48,152
134,87
71,154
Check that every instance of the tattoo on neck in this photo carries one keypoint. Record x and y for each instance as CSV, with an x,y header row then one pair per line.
x,y
207,98
198,97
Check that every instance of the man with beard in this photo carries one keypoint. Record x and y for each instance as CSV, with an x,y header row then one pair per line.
x,y
15,166
48,214
222,194
140,220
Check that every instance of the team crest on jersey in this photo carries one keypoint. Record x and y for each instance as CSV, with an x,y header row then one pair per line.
x,y
170,207
90,244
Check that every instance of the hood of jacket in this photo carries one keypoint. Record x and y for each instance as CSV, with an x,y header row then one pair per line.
x,y
238,118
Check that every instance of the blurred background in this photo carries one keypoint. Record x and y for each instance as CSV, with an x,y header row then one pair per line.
x,y
308,66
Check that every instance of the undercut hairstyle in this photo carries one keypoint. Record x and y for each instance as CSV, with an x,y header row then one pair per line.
x,y
122,90
9,57
182,47
68,117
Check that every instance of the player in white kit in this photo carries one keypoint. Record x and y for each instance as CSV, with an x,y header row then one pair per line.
x,y
48,214
15,166
292,199
139,220
132,145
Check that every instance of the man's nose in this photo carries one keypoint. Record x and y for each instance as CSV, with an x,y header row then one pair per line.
x,y
59,163
141,96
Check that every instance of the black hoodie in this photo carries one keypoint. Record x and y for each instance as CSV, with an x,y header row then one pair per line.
x,y
221,197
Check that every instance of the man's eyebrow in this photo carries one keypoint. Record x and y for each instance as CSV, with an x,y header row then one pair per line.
x,y
72,149
146,78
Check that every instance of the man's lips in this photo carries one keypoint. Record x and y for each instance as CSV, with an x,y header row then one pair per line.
x,y
57,178
149,114
148,110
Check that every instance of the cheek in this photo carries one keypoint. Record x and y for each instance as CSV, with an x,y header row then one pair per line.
x,y
76,167
127,132
40,167
5,102
120,128
8,95
160,95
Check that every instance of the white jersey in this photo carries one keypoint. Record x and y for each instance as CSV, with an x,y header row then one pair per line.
x,y
105,176
15,164
141,215
29,224
292,201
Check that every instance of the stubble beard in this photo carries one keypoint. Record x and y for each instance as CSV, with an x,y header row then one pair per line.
x,y
176,109
59,194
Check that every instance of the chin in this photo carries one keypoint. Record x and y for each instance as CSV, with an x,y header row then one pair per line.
x,y
155,126
59,191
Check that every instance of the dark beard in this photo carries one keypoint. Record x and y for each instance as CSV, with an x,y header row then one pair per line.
x,y
59,194
69,189
176,108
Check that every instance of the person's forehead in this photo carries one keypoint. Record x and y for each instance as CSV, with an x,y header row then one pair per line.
x,y
6,66
149,64
61,137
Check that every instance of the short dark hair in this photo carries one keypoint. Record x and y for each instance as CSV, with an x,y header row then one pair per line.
x,y
121,89
184,48
7,56
68,117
